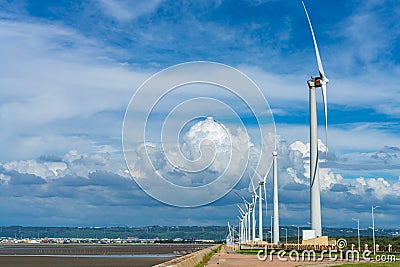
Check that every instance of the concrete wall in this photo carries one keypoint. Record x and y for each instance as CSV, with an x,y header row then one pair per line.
x,y
189,260
321,240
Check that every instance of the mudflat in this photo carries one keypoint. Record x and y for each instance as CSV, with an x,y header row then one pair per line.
x,y
96,255
98,249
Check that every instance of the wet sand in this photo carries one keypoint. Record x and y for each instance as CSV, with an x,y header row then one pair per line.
x,y
50,255
98,249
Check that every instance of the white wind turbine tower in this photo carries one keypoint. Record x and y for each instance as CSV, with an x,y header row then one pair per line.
x,y
241,239
253,204
261,186
253,219
246,216
243,230
253,214
246,220
275,201
240,230
248,211
229,237
321,81
275,198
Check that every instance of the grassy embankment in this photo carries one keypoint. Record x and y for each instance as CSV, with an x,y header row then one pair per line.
x,y
207,257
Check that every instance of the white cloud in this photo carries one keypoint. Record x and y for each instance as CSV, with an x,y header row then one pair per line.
x,y
52,75
29,167
300,166
4,179
129,9
381,188
97,176
209,149
358,137
72,164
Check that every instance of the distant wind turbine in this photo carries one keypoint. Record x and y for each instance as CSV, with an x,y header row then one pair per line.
x,y
261,186
254,197
246,216
275,201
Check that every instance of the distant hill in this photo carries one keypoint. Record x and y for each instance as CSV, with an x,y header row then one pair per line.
x,y
165,232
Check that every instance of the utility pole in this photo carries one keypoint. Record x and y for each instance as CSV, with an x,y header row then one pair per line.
x,y
271,229
358,233
298,233
285,235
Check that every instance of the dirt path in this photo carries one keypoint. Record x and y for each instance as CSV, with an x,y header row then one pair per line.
x,y
227,257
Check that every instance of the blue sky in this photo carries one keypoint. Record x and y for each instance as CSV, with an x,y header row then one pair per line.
x,y
69,68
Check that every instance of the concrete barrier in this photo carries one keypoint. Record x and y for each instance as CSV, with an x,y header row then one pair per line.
x,y
189,260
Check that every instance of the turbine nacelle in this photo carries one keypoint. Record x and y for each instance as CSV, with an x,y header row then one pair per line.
x,y
317,82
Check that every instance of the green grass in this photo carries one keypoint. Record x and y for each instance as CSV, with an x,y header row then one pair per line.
x,y
207,257
248,251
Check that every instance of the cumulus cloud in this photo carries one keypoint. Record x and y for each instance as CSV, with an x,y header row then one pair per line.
x,y
377,187
299,170
331,180
72,163
340,187
208,150
96,181
29,167
4,179
209,160
67,190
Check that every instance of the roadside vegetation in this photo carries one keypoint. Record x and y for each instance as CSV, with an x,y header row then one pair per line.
x,y
207,257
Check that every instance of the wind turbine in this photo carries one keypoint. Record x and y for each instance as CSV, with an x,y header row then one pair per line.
x,y
313,83
261,186
246,216
254,197
240,230
229,237
248,211
242,224
275,198
275,201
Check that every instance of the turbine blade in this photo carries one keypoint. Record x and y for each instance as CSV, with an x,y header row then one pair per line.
x,y
259,176
252,184
240,209
320,68
266,206
265,178
323,87
239,196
